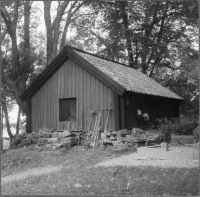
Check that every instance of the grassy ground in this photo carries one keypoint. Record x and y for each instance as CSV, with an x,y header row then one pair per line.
x,y
79,177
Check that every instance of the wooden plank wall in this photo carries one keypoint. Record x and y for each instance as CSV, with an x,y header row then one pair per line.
x,y
71,80
156,107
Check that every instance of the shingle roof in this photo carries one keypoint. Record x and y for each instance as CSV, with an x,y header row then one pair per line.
x,y
129,78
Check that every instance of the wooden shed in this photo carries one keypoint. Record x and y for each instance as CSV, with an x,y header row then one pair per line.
x,y
77,82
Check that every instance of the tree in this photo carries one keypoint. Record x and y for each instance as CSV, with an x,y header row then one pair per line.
x,y
149,36
7,103
185,79
19,56
54,28
141,31
17,74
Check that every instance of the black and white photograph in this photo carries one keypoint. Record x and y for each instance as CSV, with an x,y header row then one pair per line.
x,y
99,98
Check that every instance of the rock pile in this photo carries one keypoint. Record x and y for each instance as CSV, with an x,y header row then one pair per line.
x,y
45,139
125,138
121,139
59,139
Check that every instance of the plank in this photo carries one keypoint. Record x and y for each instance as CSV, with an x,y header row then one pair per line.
x,y
56,103
28,115
101,103
49,103
85,99
73,79
70,79
88,99
80,96
122,113
105,102
111,114
53,100
33,114
116,111
39,108
77,94
65,80
42,106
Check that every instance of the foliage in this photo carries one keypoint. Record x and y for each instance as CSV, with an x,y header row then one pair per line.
x,y
180,126
162,36
152,29
24,139
184,80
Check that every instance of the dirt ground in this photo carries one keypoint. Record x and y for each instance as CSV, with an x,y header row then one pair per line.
x,y
137,160
31,172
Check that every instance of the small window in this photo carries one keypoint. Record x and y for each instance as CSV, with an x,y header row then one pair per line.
x,y
67,109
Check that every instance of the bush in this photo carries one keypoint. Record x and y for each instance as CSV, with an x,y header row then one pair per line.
x,y
24,139
179,126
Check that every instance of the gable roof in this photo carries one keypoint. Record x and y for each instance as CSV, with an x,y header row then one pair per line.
x,y
118,77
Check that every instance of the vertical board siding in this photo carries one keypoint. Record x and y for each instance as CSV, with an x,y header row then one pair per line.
x,y
156,107
71,80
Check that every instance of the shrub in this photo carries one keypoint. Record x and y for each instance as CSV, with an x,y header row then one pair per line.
x,y
179,126
24,139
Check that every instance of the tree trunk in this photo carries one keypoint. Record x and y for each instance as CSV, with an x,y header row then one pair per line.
x,y
53,28
18,121
26,64
1,128
124,5
1,114
11,81
49,33
7,120
64,35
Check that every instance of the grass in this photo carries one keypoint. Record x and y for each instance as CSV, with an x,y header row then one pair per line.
x,y
16,160
78,177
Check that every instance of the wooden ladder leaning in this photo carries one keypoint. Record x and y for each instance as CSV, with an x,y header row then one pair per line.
x,y
95,135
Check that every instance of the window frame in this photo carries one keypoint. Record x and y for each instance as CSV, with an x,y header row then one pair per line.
x,y
60,109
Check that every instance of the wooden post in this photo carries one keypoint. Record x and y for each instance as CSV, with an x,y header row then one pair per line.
x,y
28,115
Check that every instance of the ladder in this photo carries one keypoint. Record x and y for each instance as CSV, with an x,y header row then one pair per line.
x,y
95,135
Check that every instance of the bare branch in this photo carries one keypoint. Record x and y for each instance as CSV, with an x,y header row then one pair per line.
x,y
95,34
78,6
73,19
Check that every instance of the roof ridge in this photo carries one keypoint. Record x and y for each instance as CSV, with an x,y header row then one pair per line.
x,y
82,51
